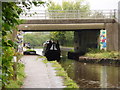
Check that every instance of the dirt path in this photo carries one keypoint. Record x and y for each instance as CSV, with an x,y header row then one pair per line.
x,y
40,75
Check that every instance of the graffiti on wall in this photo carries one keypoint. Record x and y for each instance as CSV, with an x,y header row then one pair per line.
x,y
20,41
103,44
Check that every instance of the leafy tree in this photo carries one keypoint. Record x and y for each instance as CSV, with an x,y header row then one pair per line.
x,y
68,9
69,38
65,38
10,19
36,39
60,36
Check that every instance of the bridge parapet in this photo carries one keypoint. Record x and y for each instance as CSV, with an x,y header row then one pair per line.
x,y
69,14
68,21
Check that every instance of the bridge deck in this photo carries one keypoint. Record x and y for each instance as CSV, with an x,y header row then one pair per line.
x,y
63,24
58,27
68,21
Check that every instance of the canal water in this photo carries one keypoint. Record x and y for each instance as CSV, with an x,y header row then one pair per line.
x,y
88,75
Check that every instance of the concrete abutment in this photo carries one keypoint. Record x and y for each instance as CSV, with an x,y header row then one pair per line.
x,y
85,39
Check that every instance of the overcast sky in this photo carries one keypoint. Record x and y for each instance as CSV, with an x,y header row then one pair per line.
x,y
99,4
103,4
94,4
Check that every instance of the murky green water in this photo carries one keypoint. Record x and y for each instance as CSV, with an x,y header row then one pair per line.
x,y
92,75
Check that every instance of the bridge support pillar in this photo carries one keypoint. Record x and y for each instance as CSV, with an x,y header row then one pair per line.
x,y
85,39
112,36
76,41
113,33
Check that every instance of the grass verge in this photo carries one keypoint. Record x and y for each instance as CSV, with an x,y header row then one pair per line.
x,y
20,77
61,72
103,54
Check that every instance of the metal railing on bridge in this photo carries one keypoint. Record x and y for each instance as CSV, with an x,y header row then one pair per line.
x,y
69,14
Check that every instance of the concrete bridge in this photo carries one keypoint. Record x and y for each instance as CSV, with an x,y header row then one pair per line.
x,y
86,30
64,24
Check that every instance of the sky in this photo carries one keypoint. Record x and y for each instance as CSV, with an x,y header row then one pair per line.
x,y
94,4
99,4
103,4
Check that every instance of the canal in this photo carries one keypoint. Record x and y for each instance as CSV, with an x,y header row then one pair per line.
x,y
88,75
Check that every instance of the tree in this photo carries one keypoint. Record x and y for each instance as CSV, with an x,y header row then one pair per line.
x,y
36,39
68,9
10,19
60,36
65,38
69,38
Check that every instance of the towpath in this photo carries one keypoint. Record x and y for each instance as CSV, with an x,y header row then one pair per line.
x,y
39,74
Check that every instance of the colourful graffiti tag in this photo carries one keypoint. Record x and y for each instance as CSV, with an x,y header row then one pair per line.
x,y
103,44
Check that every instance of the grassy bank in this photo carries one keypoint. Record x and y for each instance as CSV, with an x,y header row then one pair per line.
x,y
103,54
20,77
61,72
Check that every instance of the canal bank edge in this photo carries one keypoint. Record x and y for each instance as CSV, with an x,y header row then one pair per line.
x,y
87,59
99,60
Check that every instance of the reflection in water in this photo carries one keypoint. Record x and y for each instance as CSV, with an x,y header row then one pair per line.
x,y
92,75
103,79
38,51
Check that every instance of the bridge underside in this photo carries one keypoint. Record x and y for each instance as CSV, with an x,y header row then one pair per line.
x,y
59,27
87,39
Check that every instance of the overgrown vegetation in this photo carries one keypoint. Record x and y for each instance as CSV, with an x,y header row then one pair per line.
x,y
61,72
95,53
20,77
